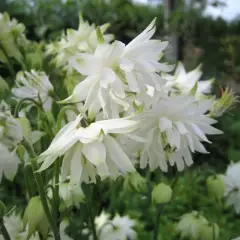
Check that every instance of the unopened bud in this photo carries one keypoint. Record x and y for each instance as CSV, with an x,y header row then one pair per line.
x,y
209,231
35,217
215,186
161,193
224,103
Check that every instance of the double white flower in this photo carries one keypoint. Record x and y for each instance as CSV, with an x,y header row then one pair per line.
x,y
115,70
90,151
171,129
84,39
35,85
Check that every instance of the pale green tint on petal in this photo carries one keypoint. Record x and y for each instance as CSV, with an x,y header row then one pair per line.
x,y
117,155
95,152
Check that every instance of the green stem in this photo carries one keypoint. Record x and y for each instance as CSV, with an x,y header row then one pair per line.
x,y
91,218
62,112
159,210
20,103
10,66
28,173
56,199
4,231
214,237
41,190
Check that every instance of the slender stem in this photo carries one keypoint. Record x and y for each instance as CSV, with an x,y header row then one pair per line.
x,y
56,189
41,190
214,235
10,66
4,231
20,103
91,216
30,188
159,210
62,112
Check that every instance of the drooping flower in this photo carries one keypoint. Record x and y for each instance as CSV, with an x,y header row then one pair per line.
x,y
115,70
171,129
119,228
35,85
10,137
183,82
90,151
10,128
84,39
190,225
12,36
232,186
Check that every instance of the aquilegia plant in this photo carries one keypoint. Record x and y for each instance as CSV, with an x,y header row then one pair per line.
x,y
86,110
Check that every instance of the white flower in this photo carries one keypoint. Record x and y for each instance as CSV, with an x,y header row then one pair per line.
x,y
232,186
171,129
12,36
35,85
10,128
183,82
114,70
15,227
10,136
8,163
119,228
190,225
71,194
84,39
90,151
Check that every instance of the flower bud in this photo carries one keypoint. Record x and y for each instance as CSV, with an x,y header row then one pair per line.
x,y
35,217
215,186
2,209
224,103
209,231
135,182
161,193
71,194
190,225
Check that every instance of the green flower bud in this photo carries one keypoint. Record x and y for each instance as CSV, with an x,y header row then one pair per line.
x,y
225,103
209,231
215,186
35,217
161,193
2,209
190,225
134,182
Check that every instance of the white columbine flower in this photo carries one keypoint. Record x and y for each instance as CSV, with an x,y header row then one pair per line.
x,y
90,151
171,129
119,228
190,225
115,70
35,85
84,39
71,194
232,186
182,82
10,137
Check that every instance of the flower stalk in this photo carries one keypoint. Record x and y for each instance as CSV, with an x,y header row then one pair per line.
x,y
41,190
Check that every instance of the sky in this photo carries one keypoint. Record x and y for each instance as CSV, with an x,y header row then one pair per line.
x,y
229,12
